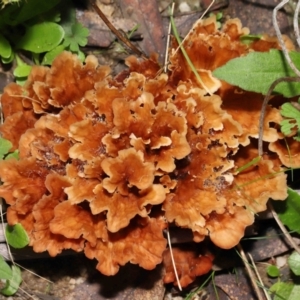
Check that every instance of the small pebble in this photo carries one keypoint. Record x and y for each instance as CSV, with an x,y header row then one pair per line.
x,y
72,281
184,7
106,1
280,261
80,280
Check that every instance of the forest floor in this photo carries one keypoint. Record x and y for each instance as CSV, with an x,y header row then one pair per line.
x,y
74,277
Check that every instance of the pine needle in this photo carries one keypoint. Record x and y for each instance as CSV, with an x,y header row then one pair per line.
x,y
173,261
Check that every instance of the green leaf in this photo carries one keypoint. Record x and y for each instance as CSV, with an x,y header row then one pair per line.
x,y
5,48
5,146
5,270
286,126
77,37
7,12
13,284
249,38
21,80
294,263
285,291
289,210
22,71
52,16
51,55
14,155
258,70
8,60
29,9
273,271
16,236
68,15
291,112
81,56
41,37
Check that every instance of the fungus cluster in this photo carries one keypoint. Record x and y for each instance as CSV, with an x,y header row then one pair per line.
x,y
106,163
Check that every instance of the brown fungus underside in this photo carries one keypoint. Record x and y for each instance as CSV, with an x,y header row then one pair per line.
x,y
107,162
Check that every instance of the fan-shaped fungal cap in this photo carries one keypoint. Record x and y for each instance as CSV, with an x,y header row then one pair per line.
x,y
106,162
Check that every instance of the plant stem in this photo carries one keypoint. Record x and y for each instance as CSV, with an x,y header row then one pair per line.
x,y
251,273
283,229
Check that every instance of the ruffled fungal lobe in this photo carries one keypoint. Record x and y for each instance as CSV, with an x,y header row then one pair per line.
x,y
141,243
189,263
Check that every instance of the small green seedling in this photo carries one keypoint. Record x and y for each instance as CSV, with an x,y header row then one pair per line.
x,y
17,237
75,37
285,291
42,29
288,290
219,16
5,269
12,283
273,271
11,276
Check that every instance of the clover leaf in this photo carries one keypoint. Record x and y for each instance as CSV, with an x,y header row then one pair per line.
x,y
12,284
26,10
5,270
286,291
76,37
273,271
41,37
5,48
51,55
16,236
293,119
5,146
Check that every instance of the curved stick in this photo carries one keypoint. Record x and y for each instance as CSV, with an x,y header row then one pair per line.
x,y
116,31
296,24
279,36
283,229
264,106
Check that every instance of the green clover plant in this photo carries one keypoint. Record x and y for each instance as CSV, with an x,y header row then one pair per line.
x,y
292,115
286,290
16,236
39,30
